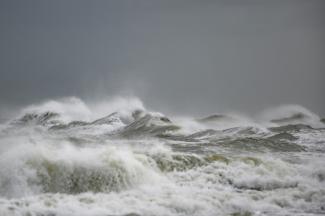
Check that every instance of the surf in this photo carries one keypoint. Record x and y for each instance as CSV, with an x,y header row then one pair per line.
x,y
70,157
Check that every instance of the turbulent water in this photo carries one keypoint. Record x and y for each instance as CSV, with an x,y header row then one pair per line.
x,y
117,158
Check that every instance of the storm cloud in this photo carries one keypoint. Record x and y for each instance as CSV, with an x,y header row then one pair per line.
x,y
177,56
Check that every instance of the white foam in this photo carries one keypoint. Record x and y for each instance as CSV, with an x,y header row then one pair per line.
x,y
70,109
260,183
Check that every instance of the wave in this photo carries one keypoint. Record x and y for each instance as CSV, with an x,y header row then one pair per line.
x,y
127,110
65,157
133,121
292,115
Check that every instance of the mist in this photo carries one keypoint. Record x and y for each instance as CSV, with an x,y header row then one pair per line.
x,y
180,57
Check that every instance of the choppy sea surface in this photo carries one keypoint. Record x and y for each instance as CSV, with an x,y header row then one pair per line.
x,y
117,158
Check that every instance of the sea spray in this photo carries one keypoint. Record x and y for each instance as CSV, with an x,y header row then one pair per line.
x,y
66,157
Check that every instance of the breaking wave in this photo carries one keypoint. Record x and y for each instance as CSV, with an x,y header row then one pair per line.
x,y
66,157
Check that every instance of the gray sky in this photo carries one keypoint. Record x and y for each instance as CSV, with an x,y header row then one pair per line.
x,y
177,56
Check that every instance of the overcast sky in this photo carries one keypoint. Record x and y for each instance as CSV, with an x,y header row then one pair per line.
x,y
180,56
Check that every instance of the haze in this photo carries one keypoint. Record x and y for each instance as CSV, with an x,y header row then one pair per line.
x,y
177,56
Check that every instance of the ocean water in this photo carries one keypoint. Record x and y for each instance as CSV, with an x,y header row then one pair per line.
x,y
118,158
